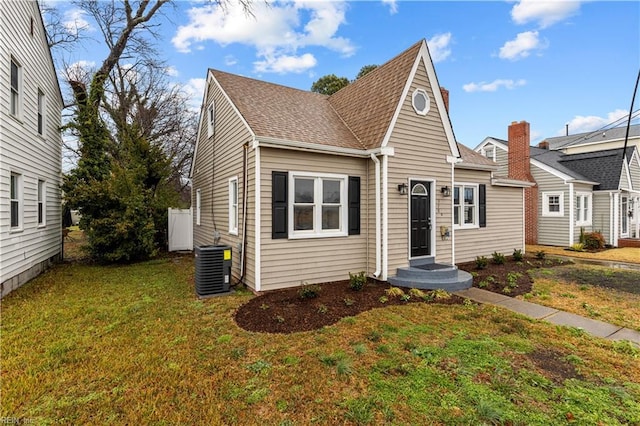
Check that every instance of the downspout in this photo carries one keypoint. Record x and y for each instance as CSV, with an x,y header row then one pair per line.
x,y
611,216
245,196
452,232
377,211
571,215
616,219
258,226
385,217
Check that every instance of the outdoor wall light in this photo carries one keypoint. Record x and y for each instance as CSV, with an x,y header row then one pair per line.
x,y
402,189
446,191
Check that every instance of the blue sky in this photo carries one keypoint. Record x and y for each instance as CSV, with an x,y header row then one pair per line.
x,y
551,63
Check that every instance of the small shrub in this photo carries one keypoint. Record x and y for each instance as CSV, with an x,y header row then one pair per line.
x,y
512,279
518,256
322,309
357,281
540,254
348,301
497,258
441,294
394,292
279,319
483,284
417,293
506,290
264,306
481,262
405,297
577,247
593,240
383,299
309,291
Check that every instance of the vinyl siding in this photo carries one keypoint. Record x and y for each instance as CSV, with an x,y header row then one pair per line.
x,y
504,230
421,149
602,214
289,262
624,179
24,151
634,170
502,159
601,146
552,231
218,159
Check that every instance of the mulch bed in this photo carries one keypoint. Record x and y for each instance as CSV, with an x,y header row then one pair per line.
x,y
284,311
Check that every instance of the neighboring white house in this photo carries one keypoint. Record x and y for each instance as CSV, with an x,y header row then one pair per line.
x,y
30,147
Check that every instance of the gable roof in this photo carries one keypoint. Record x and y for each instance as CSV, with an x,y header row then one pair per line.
x,y
604,167
368,104
473,160
285,113
616,133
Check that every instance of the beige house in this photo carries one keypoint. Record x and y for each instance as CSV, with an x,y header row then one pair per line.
x,y
307,188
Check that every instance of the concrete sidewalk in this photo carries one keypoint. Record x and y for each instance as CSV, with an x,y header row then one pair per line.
x,y
554,316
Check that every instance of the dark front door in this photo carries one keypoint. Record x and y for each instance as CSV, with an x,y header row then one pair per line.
x,y
420,218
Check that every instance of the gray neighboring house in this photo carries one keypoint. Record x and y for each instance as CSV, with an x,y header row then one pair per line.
x,y
30,147
583,183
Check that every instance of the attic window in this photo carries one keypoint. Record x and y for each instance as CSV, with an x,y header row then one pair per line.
x,y
420,101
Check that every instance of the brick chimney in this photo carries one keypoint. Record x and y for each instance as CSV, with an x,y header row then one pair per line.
x,y
544,145
520,169
445,97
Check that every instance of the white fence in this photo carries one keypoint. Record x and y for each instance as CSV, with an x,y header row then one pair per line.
x,y
180,229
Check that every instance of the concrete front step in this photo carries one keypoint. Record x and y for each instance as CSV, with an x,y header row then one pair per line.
x,y
432,272
427,260
459,280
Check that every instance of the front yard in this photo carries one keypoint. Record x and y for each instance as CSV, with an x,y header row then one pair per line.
x,y
87,344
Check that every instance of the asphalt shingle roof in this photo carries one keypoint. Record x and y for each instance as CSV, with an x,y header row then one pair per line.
x,y
469,156
357,116
596,136
604,167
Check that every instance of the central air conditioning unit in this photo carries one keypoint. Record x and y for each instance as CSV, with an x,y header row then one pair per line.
x,y
213,270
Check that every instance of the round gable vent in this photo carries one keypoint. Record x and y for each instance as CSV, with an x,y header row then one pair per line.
x,y
420,101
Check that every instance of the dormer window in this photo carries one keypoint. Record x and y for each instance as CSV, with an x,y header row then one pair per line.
x,y
420,101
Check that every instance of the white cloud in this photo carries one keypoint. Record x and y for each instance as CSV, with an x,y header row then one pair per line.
x,y
393,6
522,46
172,71
284,63
581,123
276,30
79,71
195,91
493,86
545,13
439,47
230,60
74,21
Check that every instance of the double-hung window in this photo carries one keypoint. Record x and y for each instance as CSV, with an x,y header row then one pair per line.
x,y
583,208
465,205
553,204
42,203
14,102
41,112
319,207
233,206
16,200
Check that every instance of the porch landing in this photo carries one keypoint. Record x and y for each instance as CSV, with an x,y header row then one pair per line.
x,y
425,274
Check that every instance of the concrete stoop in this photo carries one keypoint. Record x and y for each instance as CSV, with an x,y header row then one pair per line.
x,y
426,274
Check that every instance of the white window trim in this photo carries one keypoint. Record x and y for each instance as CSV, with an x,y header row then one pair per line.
x,y
42,111
18,112
198,206
476,206
587,197
42,201
415,94
19,200
233,206
545,204
211,114
317,231
624,217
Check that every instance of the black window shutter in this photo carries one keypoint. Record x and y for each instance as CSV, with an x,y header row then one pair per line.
x,y
279,208
482,201
354,205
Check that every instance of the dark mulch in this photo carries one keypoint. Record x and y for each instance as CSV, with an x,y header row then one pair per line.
x,y
511,278
284,311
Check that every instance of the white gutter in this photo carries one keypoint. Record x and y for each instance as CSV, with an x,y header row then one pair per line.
x,y
514,183
385,217
571,215
616,219
270,142
377,196
258,227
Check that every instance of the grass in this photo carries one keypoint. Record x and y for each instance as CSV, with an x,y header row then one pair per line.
x,y
625,254
87,344
587,291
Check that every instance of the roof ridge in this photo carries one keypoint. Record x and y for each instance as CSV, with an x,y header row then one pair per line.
x,y
269,83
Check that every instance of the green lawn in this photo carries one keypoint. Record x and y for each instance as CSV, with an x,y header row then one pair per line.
x,y
132,345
